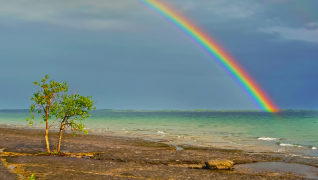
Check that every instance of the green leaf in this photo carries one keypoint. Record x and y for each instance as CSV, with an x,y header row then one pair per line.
x,y
52,100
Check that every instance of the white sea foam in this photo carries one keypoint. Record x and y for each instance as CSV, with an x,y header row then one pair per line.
x,y
285,144
267,139
295,155
309,157
280,150
161,132
297,145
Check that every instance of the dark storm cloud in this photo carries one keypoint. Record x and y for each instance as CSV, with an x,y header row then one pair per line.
x,y
275,41
127,56
285,66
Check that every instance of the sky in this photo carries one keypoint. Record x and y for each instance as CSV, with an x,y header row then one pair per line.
x,y
127,56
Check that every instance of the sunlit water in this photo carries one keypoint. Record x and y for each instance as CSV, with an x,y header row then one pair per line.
x,y
286,132
276,167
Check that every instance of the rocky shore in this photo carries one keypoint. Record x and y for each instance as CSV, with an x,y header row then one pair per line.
x,y
109,157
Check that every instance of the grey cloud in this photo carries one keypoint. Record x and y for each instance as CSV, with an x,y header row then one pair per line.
x,y
292,14
292,20
213,11
302,34
93,14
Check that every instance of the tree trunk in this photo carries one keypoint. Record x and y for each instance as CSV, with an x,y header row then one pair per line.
x,y
47,130
47,140
60,137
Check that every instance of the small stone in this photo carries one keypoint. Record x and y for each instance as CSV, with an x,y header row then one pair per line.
x,y
21,176
12,167
219,164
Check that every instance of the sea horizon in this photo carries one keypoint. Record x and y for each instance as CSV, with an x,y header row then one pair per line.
x,y
187,110
291,131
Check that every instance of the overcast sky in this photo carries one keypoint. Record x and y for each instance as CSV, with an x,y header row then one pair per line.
x,y
128,57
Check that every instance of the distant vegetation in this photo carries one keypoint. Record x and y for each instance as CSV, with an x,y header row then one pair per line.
x,y
298,110
171,110
203,110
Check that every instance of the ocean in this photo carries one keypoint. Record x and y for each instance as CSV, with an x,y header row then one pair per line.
x,y
293,133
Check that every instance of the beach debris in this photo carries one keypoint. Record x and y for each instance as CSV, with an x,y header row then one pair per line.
x,y
219,164
267,139
314,148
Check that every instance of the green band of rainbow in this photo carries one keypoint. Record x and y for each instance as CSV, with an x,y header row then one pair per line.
x,y
209,44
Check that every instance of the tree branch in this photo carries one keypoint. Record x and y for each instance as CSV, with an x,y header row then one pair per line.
x,y
53,122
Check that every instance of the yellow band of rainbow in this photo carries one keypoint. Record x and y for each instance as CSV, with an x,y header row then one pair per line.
x,y
214,49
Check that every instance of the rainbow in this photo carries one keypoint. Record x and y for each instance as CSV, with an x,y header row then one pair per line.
x,y
216,51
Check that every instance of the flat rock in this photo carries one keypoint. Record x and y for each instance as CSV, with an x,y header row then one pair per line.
x,y
219,164
6,174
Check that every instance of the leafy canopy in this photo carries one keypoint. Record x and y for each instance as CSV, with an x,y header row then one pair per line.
x,y
47,99
74,109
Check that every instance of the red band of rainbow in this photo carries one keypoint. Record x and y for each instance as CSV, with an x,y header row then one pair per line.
x,y
212,47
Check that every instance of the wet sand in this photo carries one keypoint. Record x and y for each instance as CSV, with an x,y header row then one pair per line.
x,y
111,157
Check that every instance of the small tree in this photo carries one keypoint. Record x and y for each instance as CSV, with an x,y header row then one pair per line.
x,y
73,109
46,102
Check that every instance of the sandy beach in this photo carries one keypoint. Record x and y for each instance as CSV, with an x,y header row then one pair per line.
x,y
111,157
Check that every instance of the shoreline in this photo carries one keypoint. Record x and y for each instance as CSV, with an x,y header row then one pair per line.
x,y
291,133
122,153
255,145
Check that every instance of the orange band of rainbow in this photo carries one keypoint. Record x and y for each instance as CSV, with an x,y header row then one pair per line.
x,y
214,49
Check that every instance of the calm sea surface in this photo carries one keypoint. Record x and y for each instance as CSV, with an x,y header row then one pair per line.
x,y
291,132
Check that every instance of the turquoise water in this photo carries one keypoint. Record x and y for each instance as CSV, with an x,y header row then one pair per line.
x,y
295,132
